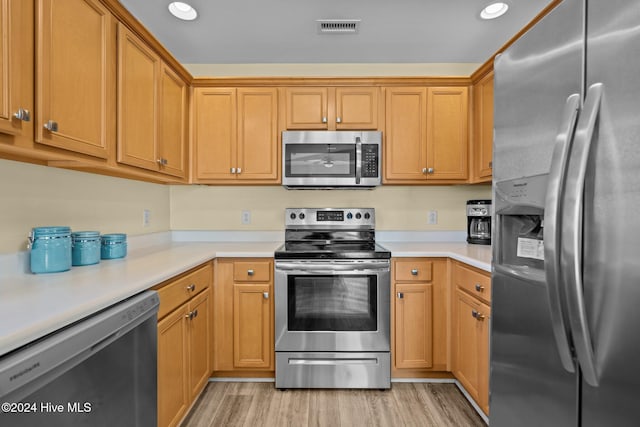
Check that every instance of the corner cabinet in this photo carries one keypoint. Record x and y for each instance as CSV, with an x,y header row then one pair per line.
x,y
152,109
482,146
243,323
471,327
236,138
16,67
75,76
331,108
419,316
426,135
184,331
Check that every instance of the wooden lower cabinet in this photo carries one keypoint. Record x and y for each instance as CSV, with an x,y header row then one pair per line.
x,y
419,317
243,342
183,343
471,328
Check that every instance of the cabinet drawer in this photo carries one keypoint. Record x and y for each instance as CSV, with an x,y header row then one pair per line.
x,y
474,282
177,292
412,270
252,271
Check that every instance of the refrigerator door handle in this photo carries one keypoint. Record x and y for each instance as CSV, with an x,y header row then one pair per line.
x,y
571,256
552,231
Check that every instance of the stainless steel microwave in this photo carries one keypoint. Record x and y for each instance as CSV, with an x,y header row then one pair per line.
x,y
331,159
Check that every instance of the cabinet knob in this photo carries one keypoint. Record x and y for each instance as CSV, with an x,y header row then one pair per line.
x,y
338,120
490,165
414,272
400,295
250,272
51,126
477,315
479,287
429,170
424,170
162,162
22,114
233,170
324,120
239,170
265,295
191,287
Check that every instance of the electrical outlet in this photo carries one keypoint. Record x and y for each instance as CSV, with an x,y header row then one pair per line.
x,y
146,217
432,217
246,217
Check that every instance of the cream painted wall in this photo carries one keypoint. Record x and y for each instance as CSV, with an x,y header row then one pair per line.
x,y
331,70
397,207
32,196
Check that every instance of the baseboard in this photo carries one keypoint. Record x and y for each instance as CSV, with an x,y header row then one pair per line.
x,y
240,380
472,402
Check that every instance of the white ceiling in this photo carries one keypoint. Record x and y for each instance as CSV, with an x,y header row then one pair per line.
x,y
284,31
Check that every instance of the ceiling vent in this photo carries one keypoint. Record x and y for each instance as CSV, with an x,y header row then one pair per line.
x,y
338,26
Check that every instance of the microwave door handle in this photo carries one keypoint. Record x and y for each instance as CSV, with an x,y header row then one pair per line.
x,y
358,160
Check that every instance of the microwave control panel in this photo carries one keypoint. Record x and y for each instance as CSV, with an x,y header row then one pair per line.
x,y
370,160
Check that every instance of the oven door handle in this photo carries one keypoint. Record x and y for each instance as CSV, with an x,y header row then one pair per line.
x,y
332,268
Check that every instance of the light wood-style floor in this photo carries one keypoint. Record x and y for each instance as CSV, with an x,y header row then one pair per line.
x,y
260,404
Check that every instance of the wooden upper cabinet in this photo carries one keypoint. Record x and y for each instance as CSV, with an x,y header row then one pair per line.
x,y
329,108
483,129
236,135
447,133
172,126
405,139
16,67
426,135
138,75
75,57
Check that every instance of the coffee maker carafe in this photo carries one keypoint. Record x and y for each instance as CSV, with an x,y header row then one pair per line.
x,y
479,222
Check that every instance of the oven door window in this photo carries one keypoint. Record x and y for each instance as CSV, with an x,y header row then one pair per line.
x,y
332,303
320,160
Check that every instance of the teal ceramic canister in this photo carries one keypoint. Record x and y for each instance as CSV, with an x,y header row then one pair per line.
x,y
113,246
85,248
50,249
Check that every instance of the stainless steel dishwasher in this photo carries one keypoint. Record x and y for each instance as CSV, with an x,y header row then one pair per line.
x,y
99,371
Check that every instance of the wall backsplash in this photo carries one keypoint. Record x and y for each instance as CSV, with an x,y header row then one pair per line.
x,y
397,207
33,196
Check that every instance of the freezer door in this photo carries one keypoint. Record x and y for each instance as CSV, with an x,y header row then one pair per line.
x,y
611,221
534,79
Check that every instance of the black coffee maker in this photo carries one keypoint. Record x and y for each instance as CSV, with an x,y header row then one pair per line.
x,y
479,222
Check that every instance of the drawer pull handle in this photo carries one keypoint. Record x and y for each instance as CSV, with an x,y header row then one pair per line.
x,y
400,295
477,315
191,287
250,272
414,272
265,295
479,287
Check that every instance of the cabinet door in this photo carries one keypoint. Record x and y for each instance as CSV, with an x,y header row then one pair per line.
x,y
199,338
447,138
16,66
306,108
215,133
138,76
76,74
483,128
172,130
258,157
471,345
413,325
357,108
406,135
252,342
173,399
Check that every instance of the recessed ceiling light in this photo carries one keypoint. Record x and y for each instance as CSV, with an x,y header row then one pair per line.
x,y
182,11
494,10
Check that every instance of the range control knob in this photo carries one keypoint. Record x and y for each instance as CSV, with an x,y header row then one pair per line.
x,y
301,216
367,215
349,215
358,215
292,216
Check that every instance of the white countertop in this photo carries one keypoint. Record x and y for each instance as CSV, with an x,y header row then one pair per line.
x,y
33,305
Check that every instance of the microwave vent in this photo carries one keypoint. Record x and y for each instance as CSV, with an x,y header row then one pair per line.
x,y
338,26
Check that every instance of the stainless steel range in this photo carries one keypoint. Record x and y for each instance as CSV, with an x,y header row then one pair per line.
x,y
332,287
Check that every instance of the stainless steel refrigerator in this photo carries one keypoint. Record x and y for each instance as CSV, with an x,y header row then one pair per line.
x,y
565,333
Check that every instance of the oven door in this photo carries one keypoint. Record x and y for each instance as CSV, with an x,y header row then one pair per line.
x,y
332,305
319,164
